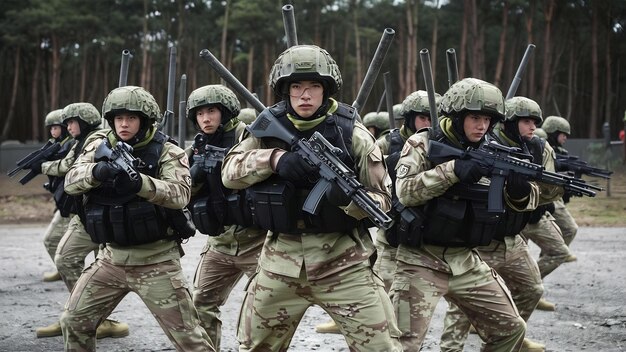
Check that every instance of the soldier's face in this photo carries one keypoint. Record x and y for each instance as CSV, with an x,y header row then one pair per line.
x,y
561,138
421,121
73,128
475,126
55,131
208,118
373,131
127,125
526,127
306,97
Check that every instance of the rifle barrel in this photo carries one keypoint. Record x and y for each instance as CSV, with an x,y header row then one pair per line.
x,y
520,71
389,98
289,21
126,56
453,70
182,110
430,88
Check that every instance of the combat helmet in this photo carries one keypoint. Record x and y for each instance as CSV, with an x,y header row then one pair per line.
x,y
247,115
556,124
418,102
471,94
517,107
213,94
539,132
54,117
85,112
131,99
305,62
374,119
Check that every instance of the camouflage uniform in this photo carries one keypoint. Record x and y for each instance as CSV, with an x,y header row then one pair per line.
x,y
151,270
428,271
235,249
329,269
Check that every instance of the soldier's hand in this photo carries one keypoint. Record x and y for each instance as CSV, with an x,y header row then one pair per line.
x,y
292,167
336,196
517,186
468,171
125,185
104,170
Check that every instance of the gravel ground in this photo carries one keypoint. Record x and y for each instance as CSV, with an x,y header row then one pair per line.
x,y
589,294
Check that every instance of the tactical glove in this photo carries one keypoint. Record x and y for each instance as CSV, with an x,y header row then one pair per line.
x,y
468,171
517,186
336,196
198,175
124,185
292,167
104,170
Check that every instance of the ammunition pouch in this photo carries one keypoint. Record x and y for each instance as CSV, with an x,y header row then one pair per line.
x,y
65,203
180,221
210,214
408,226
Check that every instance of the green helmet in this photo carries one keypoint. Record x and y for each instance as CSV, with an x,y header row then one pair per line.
x,y
539,132
556,123
418,102
82,111
213,94
54,117
474,95
397,112
517,107
132,99
247,115
378,120
305,62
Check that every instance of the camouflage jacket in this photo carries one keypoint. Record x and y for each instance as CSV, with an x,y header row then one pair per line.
x,y
320,255
61,166
170,189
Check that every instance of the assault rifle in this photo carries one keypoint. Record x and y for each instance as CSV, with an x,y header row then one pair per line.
x,y
209,157
121,156
501,161
319,152
579,167
44,153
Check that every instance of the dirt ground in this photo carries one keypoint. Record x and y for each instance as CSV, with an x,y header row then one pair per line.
x,y
589,293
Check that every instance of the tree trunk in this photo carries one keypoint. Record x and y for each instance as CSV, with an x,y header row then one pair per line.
x,y
609,76
223,46
531,92
358,79
83,75
144,50
250,68
502,49
595,74
474,38
411,48
463,51
547,51
35,91
14,92
571,67
55,80
433,49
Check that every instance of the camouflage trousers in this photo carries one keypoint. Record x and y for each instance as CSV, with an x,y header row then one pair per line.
x,y
566,222
55,231
354,298
72,251
162,287
547,235
215,277
385,265
512,260
480,293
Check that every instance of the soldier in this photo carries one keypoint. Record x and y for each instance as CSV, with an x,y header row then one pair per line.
x,y
82,120
508,252
311,259
247,115
450,201
376,123
233,246
58,224
131,213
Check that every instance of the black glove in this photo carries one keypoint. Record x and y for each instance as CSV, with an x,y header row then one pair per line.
x,y
124,185
36,166
198,175
517,186
468,171
336,196
292,167
104,170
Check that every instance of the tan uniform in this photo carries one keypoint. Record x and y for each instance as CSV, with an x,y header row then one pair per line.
x,y
427,273
150,270
330,270
224,260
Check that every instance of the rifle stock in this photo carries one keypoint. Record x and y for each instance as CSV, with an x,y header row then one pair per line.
x,y
44,153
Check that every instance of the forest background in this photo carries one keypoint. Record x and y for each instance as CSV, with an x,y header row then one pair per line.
x,y
56,52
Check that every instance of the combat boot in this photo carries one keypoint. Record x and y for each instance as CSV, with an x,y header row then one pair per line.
x,y
328,328
546,305
112,328
50,330
50,277
531,346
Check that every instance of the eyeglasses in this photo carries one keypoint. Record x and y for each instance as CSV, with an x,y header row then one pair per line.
x,y
297,90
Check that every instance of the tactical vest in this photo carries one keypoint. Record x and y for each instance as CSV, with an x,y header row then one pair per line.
x,y
216,206
56,184
127,219
277,203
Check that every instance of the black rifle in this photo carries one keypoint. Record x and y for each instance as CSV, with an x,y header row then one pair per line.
x,y
579,167
500,161
44,153
319,152
121,156
208,157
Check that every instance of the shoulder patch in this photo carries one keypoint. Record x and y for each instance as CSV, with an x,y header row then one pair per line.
x,y
402,171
